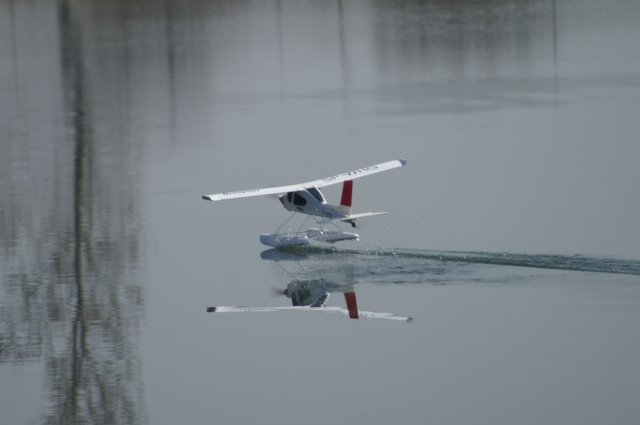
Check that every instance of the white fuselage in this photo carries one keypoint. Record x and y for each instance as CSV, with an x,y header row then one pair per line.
x,y
311,202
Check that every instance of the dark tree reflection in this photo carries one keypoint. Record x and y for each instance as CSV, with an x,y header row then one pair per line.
x,y
450,46
69,232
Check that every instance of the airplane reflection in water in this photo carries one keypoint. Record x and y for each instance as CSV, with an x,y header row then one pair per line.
x,y
310,294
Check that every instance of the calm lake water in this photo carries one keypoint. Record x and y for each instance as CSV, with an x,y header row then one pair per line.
x,y
513,240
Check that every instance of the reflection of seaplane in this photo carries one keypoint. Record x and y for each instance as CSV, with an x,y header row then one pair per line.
x,y
311,295
305,198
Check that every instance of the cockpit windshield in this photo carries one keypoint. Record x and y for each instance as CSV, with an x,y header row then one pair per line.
x,y
316,194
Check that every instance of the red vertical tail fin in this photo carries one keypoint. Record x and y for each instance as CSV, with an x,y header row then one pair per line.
x,y
352,305
347,192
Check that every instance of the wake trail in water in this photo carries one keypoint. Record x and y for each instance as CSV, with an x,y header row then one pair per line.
x,y
540,261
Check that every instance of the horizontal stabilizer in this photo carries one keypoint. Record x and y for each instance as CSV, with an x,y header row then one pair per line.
x,y
362,215
352,217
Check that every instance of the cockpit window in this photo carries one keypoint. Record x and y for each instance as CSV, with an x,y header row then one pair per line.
x,y
289,196
316,193
299,200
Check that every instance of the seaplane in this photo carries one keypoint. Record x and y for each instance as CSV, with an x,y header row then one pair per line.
x,y
306,198
311,295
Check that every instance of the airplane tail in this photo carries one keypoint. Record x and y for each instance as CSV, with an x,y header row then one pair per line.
x,y
347,193
345,206
352,304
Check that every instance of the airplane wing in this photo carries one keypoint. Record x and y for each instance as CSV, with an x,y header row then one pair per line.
x,y
354,174
327,181
339,310
253,192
